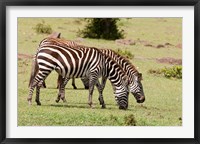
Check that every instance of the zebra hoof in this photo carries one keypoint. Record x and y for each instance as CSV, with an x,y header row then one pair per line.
x,y
29,101
38,103
122,107
57,100
86,87
103,106
90,104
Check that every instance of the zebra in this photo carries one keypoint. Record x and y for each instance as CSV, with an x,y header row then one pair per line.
x,y
54,54
134,76
135,85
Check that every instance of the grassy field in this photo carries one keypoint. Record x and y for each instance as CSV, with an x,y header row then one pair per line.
x,y
163,105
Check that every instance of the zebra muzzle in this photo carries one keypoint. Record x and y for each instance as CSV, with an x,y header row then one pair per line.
x,y
141,99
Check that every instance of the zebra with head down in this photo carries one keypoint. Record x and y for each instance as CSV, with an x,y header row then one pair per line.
x,y
135,78
55,54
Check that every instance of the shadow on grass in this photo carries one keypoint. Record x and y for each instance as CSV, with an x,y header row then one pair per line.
x,y
86,106
66,88
78,106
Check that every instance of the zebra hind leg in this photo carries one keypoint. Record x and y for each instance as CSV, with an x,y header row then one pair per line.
x,y
31,91
37,82
37,98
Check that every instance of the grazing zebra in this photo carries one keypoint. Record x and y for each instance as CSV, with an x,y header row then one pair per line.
x,y
55,54
134,76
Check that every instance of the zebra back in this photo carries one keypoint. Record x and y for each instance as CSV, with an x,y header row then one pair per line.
x,y
78,60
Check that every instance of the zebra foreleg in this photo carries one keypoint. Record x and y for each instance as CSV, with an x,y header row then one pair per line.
x,y
100,90
61,93
85,82
73,83
92,82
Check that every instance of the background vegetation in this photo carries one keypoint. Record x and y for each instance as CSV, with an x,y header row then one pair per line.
x,y
104,28
152,44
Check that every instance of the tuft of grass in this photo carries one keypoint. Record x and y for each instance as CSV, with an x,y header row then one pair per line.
x,y
43,28
125,53
130,120
173,72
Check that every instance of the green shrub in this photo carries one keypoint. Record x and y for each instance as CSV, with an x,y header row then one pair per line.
x,y
125,53
101,28
173,72
43,28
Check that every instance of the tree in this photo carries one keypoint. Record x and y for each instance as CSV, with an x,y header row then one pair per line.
x,y
102,28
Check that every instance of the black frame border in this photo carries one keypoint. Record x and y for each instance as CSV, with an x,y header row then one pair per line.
x,y
5,3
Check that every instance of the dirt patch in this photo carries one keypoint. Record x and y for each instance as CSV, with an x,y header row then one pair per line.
x,y
143,42
79,40
179,45
24,56
149,44
125,41
169,60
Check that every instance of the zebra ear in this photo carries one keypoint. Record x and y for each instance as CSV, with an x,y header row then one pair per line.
x,y
140,76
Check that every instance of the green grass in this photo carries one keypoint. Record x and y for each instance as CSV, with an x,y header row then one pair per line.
x,y
163,105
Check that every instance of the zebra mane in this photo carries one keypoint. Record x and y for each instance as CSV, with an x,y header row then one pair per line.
x,y
66,43
59,41
126,61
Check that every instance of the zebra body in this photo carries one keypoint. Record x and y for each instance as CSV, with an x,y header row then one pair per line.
x,y
135,85
55,54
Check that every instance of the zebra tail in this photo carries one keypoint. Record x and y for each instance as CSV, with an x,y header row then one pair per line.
x,y
34,70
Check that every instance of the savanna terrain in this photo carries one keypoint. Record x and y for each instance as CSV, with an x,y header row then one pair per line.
x,y
155,43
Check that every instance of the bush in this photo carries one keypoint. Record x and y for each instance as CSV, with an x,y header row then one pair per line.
x,y
101,28
43,28
125,53
173,72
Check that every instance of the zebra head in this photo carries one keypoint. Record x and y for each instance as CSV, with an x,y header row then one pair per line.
x,y
136,88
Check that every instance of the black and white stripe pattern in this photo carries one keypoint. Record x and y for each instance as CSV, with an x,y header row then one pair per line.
x,y
135,85
55,54
134,76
